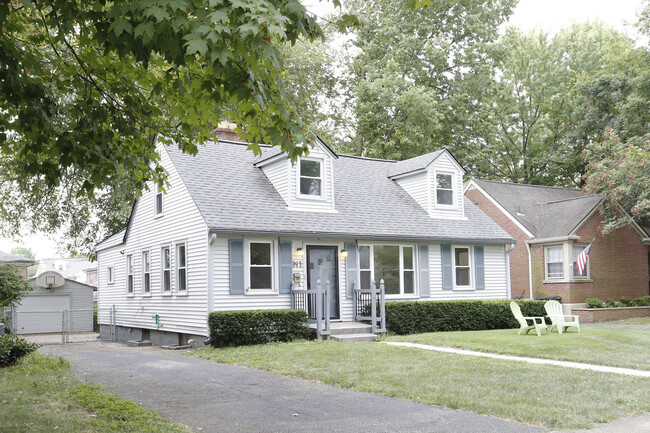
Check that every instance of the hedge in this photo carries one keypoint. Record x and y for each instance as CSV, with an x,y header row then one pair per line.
x,y
239,328
434,316
14,348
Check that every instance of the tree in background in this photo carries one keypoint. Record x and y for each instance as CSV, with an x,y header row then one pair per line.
x,y
12,286
419,74
28,254
529,115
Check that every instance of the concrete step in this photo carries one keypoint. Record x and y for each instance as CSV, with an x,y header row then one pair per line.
x,y
350,328
139,343
354,338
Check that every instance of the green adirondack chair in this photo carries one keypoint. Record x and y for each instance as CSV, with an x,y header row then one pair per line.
x,y
538,323
559,319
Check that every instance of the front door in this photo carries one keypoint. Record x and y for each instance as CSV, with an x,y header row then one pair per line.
x,y
322,264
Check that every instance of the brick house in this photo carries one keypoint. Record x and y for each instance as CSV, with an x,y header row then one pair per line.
x,y
552,226
21,263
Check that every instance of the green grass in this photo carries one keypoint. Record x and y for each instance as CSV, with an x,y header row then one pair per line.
x,y
41,394
613,346
636,321
548,396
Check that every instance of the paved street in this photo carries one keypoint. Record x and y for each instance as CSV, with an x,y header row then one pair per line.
x,y
212,397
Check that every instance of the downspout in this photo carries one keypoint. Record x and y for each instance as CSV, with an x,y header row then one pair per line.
x,y
508,251
530,269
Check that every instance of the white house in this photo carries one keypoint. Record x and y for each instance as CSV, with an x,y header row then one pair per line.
x,y
233,231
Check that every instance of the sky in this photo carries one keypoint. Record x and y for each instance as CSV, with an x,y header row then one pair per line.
x,y
547,15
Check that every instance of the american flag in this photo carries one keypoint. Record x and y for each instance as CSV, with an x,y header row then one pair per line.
x,y
581,260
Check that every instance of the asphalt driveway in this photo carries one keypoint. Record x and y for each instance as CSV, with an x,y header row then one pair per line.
x,y
212,397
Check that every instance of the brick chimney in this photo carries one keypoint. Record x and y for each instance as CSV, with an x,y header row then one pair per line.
x,y
226,131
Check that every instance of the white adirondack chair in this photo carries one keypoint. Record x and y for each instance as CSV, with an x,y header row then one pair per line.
x,y
538,323
559,319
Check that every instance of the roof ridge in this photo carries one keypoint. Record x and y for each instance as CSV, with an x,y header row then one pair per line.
x,y
566,199
367,158
528,184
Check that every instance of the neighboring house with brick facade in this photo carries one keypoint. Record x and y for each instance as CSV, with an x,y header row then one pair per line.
x,y
21,263
552,226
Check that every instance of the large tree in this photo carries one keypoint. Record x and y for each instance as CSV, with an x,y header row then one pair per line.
x,y
529,112
418,73
86,86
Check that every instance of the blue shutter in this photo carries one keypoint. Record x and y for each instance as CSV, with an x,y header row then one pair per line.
x,y
286,268
236,254
479,268
351,267
447,271
423,261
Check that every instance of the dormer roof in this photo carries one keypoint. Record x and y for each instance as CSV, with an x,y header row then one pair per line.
x,y
270,153
419,163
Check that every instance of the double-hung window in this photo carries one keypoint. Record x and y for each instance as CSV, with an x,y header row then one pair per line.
x,y
260,266
554,261
159,198
181,267
311,177
166,261
445,189
462,267
577,249
129,274
395,264
146,273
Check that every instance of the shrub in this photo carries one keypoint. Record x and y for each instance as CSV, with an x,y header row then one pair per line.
x,y
12,349
594,303
626,301
95,322
239,328
434,316
643,301
609,302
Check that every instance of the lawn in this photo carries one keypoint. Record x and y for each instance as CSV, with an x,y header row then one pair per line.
x,y
41,394
613,346
512,390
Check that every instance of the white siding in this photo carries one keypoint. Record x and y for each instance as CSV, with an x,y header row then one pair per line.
x,y
445,164
111,241
180,222
224,301
495,276
416,186
278,173
326,204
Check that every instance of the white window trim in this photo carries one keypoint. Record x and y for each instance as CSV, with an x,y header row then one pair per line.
x,y
110,274
148,253
470,253
454,192
158,190
162,271
301,196
247,266
580,278
546,262
401,294
177,268
130,273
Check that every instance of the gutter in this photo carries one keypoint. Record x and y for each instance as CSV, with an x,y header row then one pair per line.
x,y
645,241
316,235
549,240
530,270
508,288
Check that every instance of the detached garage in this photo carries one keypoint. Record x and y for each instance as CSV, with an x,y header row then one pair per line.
x,y
53,302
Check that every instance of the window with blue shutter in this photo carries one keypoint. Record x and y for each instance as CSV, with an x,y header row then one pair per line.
x,y
286,268
236,255
479,267
447,268
423,261
351,268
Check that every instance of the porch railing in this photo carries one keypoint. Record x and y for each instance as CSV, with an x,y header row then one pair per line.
x,y
369,305
315,302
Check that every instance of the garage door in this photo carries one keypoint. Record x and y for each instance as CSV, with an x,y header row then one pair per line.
x,y
39,314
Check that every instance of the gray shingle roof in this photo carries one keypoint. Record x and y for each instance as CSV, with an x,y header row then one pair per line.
x,y
413,164
236,197
544,210
10,258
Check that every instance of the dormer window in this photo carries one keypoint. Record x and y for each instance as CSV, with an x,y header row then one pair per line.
x,y
445,189
311,177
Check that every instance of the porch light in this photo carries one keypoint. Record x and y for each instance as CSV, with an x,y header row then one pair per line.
x,y
344,253
300,252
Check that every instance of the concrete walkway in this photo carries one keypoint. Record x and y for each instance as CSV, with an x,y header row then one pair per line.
x,y
568,364
212,397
